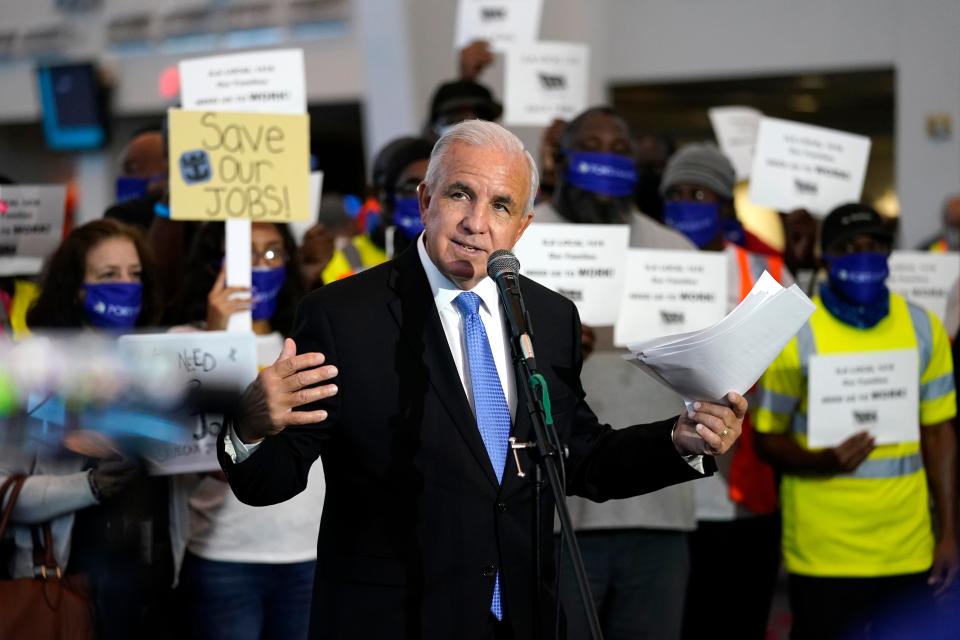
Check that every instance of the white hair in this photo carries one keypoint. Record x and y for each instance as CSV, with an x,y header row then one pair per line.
x,y
480,133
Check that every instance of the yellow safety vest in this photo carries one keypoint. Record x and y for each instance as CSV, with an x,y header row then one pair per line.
x,y
366,255
874,521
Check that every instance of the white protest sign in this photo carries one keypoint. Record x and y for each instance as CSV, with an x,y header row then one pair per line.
x,y
256,82
215,360
876,391
736,132
800,166
300,228
669,292
31,226
931,280
502,23
584,262
544,81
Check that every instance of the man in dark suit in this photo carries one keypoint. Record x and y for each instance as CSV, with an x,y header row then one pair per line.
x,y
426,525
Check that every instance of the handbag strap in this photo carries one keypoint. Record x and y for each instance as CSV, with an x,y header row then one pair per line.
x,y
44,560
11,486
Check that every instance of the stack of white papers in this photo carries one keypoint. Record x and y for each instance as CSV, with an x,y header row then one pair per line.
x,y
732,354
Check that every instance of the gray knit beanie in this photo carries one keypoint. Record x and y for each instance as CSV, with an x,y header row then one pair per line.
x,y
703,165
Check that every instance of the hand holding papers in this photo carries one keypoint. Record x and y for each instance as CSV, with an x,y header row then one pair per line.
x,y
732,354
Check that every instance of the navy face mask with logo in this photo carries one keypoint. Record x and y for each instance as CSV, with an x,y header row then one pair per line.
x,y
733,231
406,217
860,277
129,188
267,282
605,174
699,221
114,306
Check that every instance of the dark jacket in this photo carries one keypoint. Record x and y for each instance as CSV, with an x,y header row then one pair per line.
x,y
414,524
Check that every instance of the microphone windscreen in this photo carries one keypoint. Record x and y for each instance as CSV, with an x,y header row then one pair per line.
x,y
502,261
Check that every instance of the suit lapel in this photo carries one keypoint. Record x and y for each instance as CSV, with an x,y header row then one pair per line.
x,y
416,314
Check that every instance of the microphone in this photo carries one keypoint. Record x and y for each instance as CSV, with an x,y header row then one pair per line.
x,y
504,268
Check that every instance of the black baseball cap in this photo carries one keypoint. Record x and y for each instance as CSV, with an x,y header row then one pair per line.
x,y
464,94
851,220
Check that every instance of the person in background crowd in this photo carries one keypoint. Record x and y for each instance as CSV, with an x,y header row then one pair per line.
x,y
276,278
653,151
737,505
799,247
857,534
949,238
100,279
549,154
457,101
464,98
316,251
398,170
635,550
353,251
246,572
101,267
141,185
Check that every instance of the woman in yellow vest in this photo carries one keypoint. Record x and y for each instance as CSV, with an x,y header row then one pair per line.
x,y
858,540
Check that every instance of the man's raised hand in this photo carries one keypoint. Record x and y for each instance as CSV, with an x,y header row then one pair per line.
x,y
269,403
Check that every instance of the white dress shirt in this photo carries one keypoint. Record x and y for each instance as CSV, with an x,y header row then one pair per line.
x,y
491,313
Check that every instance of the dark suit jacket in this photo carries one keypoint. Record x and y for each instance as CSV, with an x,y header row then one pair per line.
x,y
415,526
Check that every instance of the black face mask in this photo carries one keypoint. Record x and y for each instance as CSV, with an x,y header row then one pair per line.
x,y
577,205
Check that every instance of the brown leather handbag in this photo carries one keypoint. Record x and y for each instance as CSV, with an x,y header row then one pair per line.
x,y
49,606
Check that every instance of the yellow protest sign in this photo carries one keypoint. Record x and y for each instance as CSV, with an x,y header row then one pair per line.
x,y
239,166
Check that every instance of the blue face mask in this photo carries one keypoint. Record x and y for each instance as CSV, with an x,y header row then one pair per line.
x,y
859,277
406,217
699,221
130,188
605,174
267,282
113,305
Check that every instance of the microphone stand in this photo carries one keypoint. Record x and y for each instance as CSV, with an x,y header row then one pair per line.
x,y
546,451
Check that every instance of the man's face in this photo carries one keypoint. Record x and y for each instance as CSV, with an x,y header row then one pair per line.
x,y
599,133
603,133
479,206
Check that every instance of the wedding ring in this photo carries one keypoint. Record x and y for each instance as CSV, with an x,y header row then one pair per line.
x,y
723,434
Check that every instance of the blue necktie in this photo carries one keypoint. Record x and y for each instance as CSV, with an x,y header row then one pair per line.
x,y
489,403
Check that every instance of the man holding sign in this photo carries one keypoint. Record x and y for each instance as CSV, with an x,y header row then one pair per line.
x,y
857,535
